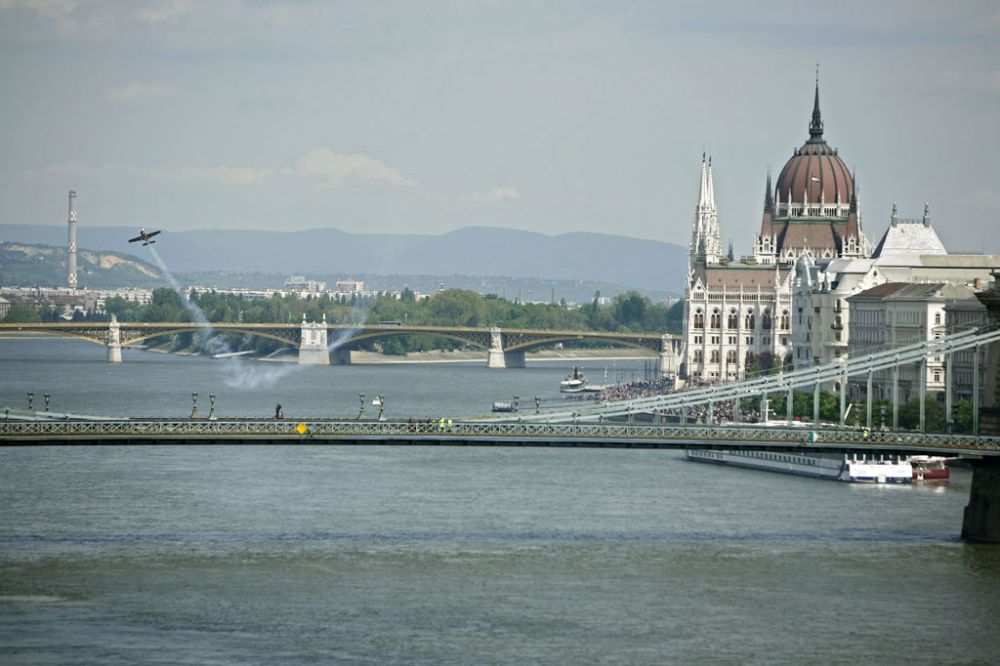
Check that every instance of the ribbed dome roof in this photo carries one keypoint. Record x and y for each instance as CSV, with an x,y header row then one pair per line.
x,y
815,169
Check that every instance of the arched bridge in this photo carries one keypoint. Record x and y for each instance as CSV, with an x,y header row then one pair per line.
x,y
317,342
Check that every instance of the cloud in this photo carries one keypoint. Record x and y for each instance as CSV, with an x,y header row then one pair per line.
x,y
139,92
329,168
986,201
495,196
333,169
164,11
221,174
227,175
41,6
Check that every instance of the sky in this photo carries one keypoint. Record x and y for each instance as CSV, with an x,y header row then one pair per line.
x,y
555,117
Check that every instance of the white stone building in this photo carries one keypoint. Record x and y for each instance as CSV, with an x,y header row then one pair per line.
x,y
894,314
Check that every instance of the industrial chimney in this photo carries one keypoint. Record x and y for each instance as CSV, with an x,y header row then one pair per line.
x,y
72,239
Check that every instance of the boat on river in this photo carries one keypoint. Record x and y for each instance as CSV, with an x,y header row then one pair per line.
x,y
930,468
574,382
832,466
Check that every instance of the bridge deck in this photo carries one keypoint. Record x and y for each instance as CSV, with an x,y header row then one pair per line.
x,y
42,431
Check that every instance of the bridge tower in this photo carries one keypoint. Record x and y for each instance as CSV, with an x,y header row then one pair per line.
x,y
497,357
114,341
312,348
668,355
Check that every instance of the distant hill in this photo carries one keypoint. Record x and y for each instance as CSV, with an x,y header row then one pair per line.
x,y
25,264
475,251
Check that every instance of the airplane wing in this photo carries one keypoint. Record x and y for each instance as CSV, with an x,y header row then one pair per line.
x,y
133,240
152,233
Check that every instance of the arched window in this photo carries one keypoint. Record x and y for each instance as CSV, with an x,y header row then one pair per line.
x,y
731,356
716,321
733,320
699,319
765,320
697,356
749,358
714,358
784,320
749,321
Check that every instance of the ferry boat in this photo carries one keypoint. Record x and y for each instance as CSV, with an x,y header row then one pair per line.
x,y
930,468
833,466
574,382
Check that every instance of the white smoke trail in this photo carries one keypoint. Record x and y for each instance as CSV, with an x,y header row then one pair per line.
x,y
239,373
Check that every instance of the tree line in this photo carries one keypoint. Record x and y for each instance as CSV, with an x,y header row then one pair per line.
x,y
628,312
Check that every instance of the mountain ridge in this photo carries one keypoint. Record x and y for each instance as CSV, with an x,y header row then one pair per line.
x,y
488,251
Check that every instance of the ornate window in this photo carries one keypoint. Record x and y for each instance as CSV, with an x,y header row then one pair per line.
x,y
714,358
699,319
716,321
731,356
749,321
697,356
765,320
784,320
733,320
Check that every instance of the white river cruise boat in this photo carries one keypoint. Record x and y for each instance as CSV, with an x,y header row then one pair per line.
x,y
833,466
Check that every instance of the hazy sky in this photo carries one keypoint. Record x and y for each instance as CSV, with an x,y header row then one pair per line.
x,y
424,117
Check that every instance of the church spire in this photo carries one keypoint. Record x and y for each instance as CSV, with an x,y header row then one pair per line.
x,y
816,126
705,241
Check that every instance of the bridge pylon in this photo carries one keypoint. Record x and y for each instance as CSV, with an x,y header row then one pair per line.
x,y
496,357
114,341
312,348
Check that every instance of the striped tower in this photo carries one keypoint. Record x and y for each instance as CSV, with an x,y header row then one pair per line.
x,y
72,239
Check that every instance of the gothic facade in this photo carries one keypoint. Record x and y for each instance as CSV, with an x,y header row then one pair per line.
x,y
738,314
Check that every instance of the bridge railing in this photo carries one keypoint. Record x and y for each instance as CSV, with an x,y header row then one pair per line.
x,y
222,430
783,382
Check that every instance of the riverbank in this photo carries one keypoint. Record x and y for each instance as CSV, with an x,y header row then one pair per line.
x,y
547,355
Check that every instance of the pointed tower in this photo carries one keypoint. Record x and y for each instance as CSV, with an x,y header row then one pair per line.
x,y
706,245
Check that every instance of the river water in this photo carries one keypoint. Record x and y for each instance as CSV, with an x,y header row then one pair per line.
x,y
441,555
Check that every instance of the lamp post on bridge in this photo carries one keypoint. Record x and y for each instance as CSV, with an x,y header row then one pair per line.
x,y
194,406
31,399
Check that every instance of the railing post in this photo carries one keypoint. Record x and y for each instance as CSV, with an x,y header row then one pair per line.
x,y
923,394
816,404
843,396
789,403
868,401
736,411
975,390
948,406
895,395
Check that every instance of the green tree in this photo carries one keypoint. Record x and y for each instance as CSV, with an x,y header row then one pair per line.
x,y
22,313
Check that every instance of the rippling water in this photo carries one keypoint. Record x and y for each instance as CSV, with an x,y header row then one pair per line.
x,y
431,555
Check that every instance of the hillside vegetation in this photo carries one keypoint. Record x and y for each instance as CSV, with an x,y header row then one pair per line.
x,y
23,264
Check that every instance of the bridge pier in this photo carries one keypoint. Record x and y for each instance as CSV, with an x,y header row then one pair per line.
x,y
340,356
668,355
495,358
114,343
312,348
981,520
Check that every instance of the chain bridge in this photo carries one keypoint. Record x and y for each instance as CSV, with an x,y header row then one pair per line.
x,y
319,342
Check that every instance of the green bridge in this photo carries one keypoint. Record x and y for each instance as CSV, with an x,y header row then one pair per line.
x,y
981,520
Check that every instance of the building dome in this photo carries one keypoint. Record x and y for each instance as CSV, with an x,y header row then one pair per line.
x,y
815,172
